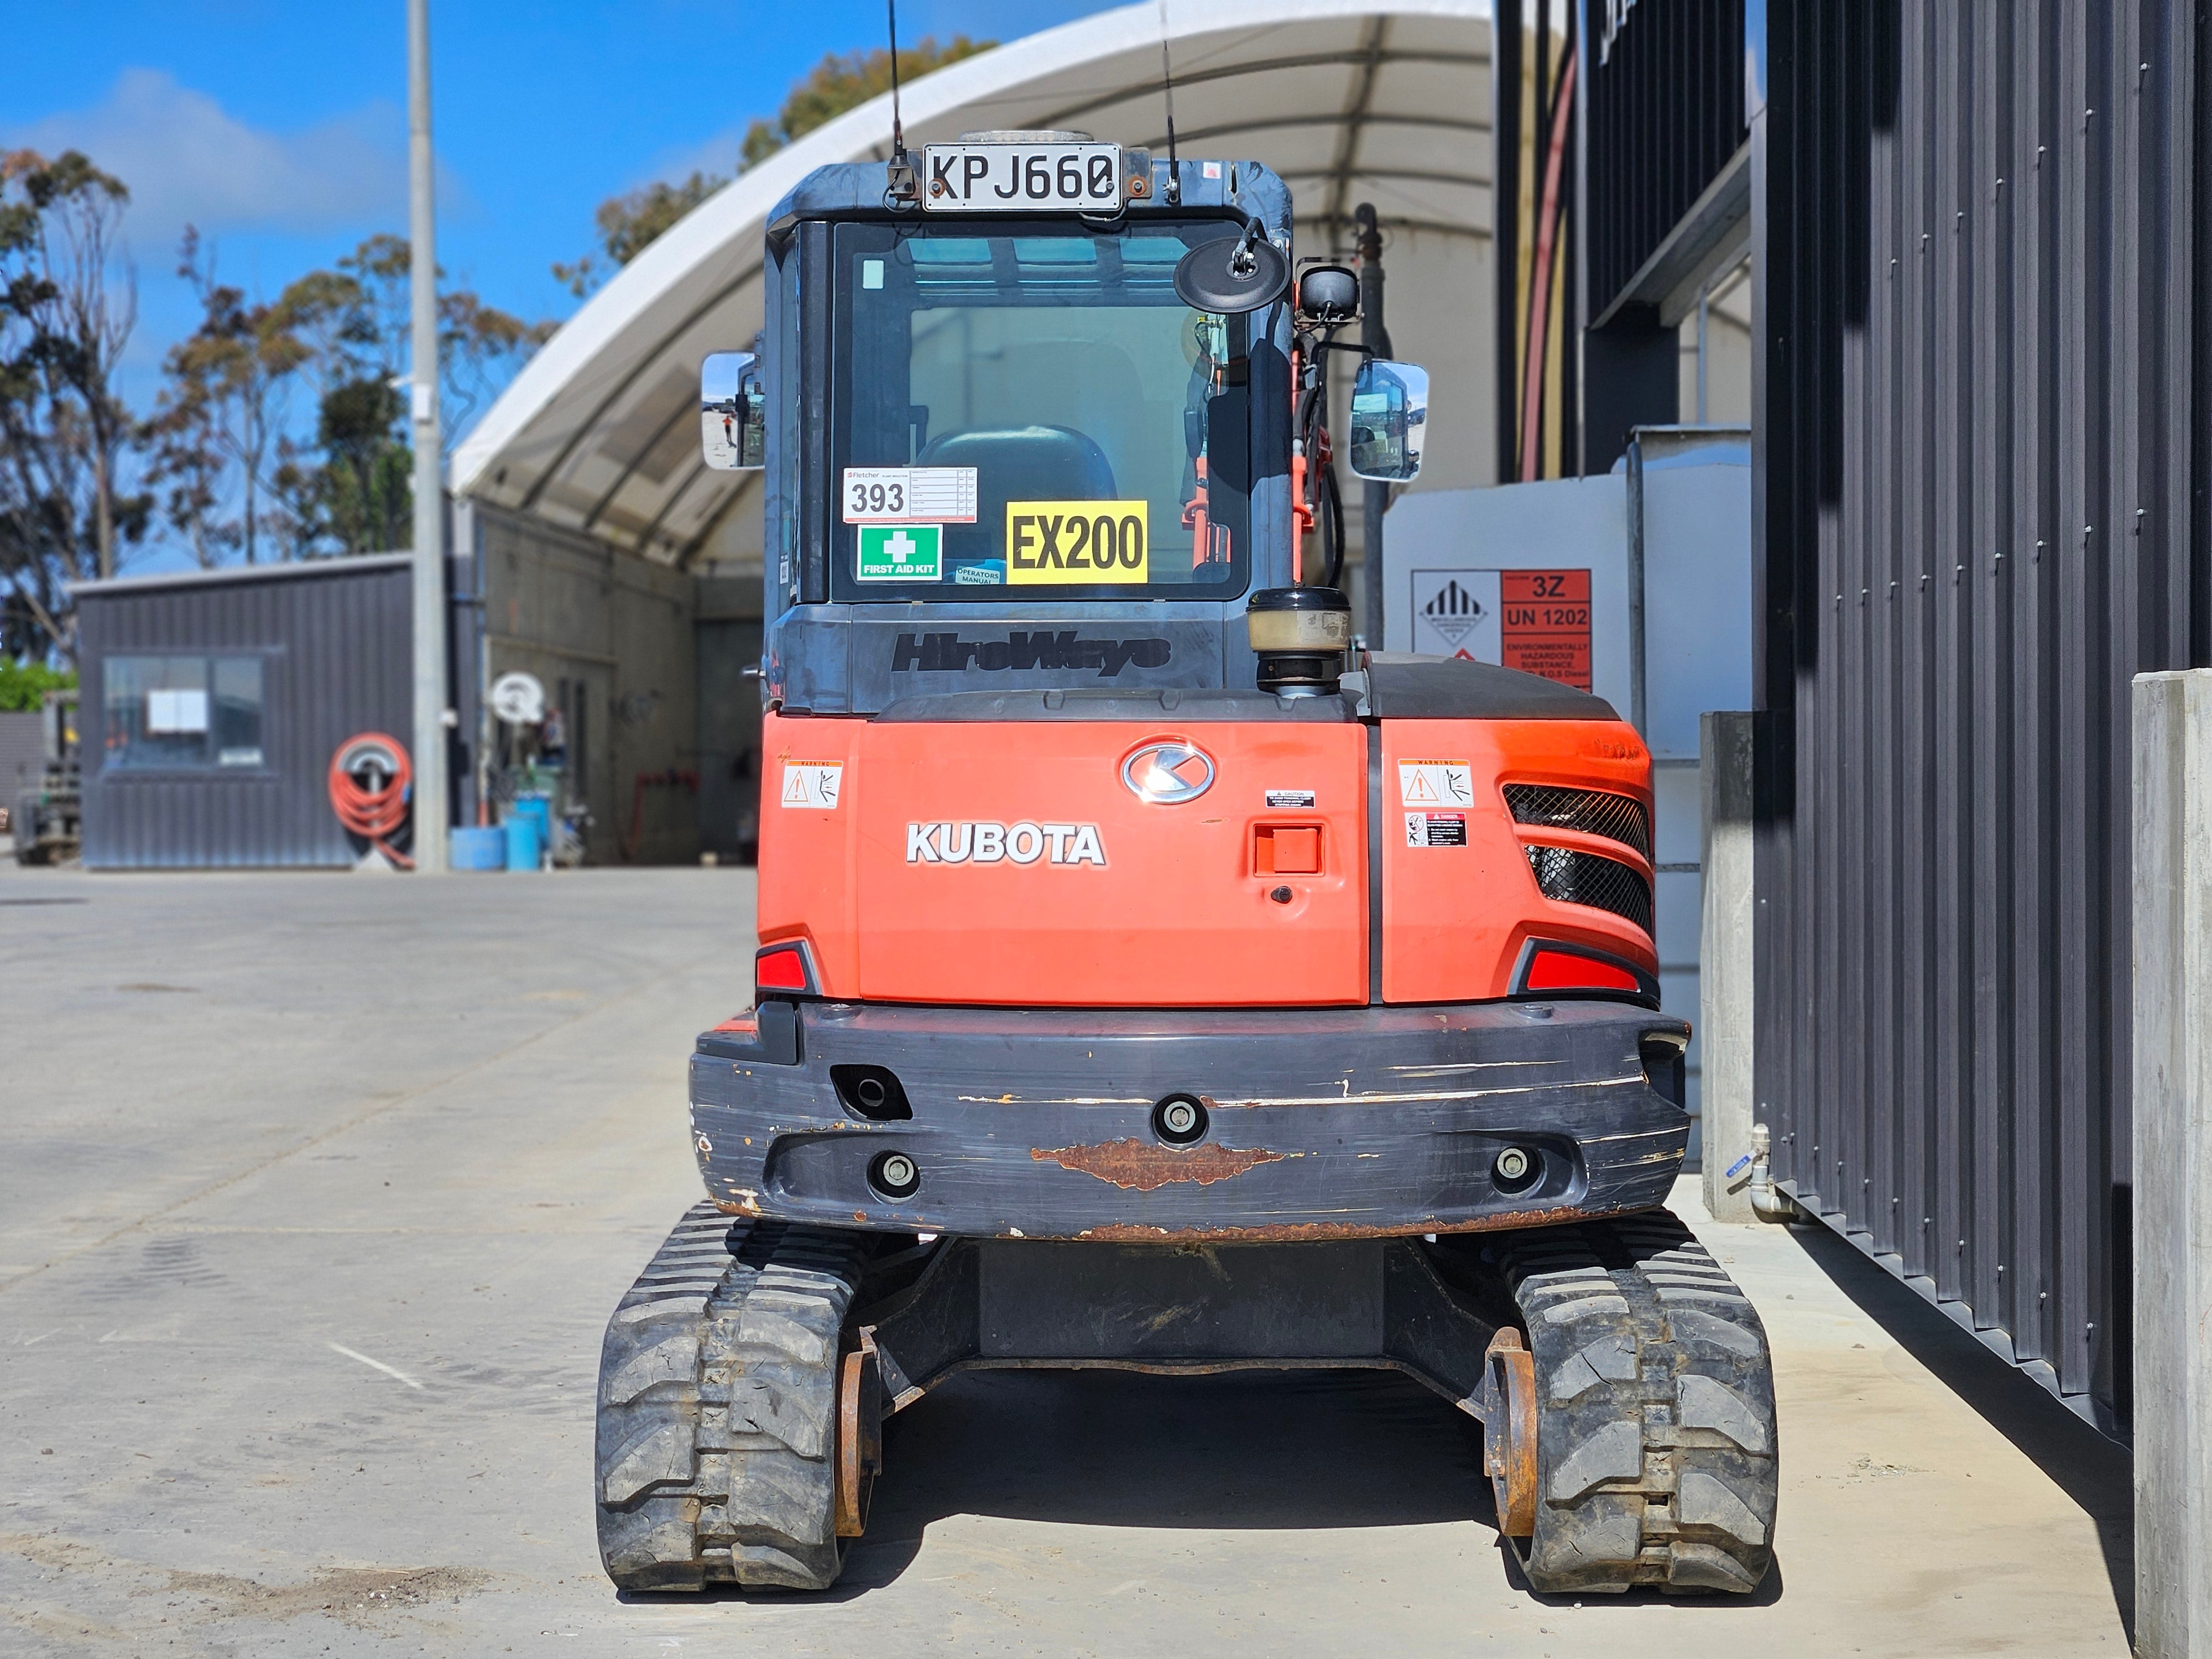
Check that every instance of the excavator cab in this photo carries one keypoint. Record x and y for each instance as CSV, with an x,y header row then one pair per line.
x,y
1149,973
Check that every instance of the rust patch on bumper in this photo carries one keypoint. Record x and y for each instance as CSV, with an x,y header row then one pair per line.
x,y
1144,1165
1298,1232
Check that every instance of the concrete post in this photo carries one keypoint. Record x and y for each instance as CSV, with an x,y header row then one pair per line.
x,y
430,734
2172,1113
1724,962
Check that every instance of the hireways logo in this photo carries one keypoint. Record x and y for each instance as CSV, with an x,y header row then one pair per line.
x,y
948,653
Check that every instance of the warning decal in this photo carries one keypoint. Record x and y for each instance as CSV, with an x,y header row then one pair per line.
x,y
1436,783
812,783
1436,829
1544,624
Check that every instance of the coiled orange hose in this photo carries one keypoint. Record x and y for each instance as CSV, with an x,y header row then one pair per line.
x,y
373,814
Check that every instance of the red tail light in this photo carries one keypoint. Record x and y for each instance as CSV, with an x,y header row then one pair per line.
x,y
1555,970
782,968
1548,967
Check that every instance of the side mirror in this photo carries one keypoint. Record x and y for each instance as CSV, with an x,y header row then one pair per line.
x,y
732,412
1389,419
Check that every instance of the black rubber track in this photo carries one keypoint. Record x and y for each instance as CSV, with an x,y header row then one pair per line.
x,y
1655,1436
718,1409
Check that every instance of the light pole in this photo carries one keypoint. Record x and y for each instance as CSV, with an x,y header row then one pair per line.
x,y
429,740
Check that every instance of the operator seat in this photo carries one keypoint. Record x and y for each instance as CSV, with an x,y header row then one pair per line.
x,y
1015,464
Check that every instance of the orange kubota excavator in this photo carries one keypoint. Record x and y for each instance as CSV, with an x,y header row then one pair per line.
x,y
1150,974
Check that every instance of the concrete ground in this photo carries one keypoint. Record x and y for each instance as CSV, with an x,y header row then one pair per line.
x,y
316,1192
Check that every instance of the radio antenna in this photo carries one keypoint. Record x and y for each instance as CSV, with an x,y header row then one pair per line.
x,y
1167,81
905,186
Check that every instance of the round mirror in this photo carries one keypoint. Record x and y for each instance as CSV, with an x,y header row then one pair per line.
x,y
1235,274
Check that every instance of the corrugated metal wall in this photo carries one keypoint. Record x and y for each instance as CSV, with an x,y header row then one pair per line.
x,y
1982,418
22,754
1666,115
335,642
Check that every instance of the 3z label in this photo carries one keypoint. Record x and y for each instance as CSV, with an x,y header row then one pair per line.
x,y
1070,544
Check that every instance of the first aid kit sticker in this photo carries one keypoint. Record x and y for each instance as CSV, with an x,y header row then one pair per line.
x,y
909,494
1425,783
812,783
900,552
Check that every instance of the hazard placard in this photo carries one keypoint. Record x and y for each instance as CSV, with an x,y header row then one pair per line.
x,y
1455,614
1536,621
1544,625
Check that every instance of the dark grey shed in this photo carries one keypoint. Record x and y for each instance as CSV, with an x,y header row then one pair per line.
x,y
213,701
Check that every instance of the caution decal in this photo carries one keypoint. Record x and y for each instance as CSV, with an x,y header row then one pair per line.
x,y
1078,542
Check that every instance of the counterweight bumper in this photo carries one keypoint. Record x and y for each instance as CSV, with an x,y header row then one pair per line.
x,y
1238,1125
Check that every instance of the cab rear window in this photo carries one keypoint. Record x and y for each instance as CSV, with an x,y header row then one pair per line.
x,y
1036,412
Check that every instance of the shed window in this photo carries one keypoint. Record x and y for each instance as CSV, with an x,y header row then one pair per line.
x,y
190,712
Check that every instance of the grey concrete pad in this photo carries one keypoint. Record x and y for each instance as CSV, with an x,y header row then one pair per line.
x,y
316,1191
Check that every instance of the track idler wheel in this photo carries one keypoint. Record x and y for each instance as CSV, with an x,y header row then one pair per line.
x,y
1508,1436
860,1434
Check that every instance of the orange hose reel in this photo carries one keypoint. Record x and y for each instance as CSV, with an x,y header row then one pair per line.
x,y
374,811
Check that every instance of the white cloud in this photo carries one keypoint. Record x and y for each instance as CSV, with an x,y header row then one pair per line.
x,y
188,161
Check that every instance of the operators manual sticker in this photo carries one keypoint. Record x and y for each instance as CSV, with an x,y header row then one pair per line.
x,y
909,494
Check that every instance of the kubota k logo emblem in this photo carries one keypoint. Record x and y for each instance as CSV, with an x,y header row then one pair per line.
x,y
1168,774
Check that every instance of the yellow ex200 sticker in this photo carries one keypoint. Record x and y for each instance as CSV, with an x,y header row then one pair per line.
x,y
1072,542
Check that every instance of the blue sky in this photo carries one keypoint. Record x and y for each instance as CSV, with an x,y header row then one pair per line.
x,y
279,126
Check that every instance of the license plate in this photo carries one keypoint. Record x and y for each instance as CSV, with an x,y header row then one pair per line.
x,y
1022,177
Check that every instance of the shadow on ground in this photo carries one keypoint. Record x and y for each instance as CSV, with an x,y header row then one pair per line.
x,y
1245,1450
1242,1451
2095,1472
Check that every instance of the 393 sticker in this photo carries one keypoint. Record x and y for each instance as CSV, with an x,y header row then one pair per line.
x,y
1068,542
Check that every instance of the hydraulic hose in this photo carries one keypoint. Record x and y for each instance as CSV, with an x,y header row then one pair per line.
x,y
374,810
1332,518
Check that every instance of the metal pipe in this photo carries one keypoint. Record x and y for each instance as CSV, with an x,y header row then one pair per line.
x,y
1704,308
1766,1203
1374,498
429,595
1635,654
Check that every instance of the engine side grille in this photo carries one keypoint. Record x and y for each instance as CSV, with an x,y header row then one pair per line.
x,y
1573,878
1616,818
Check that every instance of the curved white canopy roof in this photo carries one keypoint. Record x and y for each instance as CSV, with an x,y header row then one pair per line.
x,y
1385,101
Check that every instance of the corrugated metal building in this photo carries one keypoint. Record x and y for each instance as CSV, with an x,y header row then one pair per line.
x,y
213,701
22,753
1979,236
1982,424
